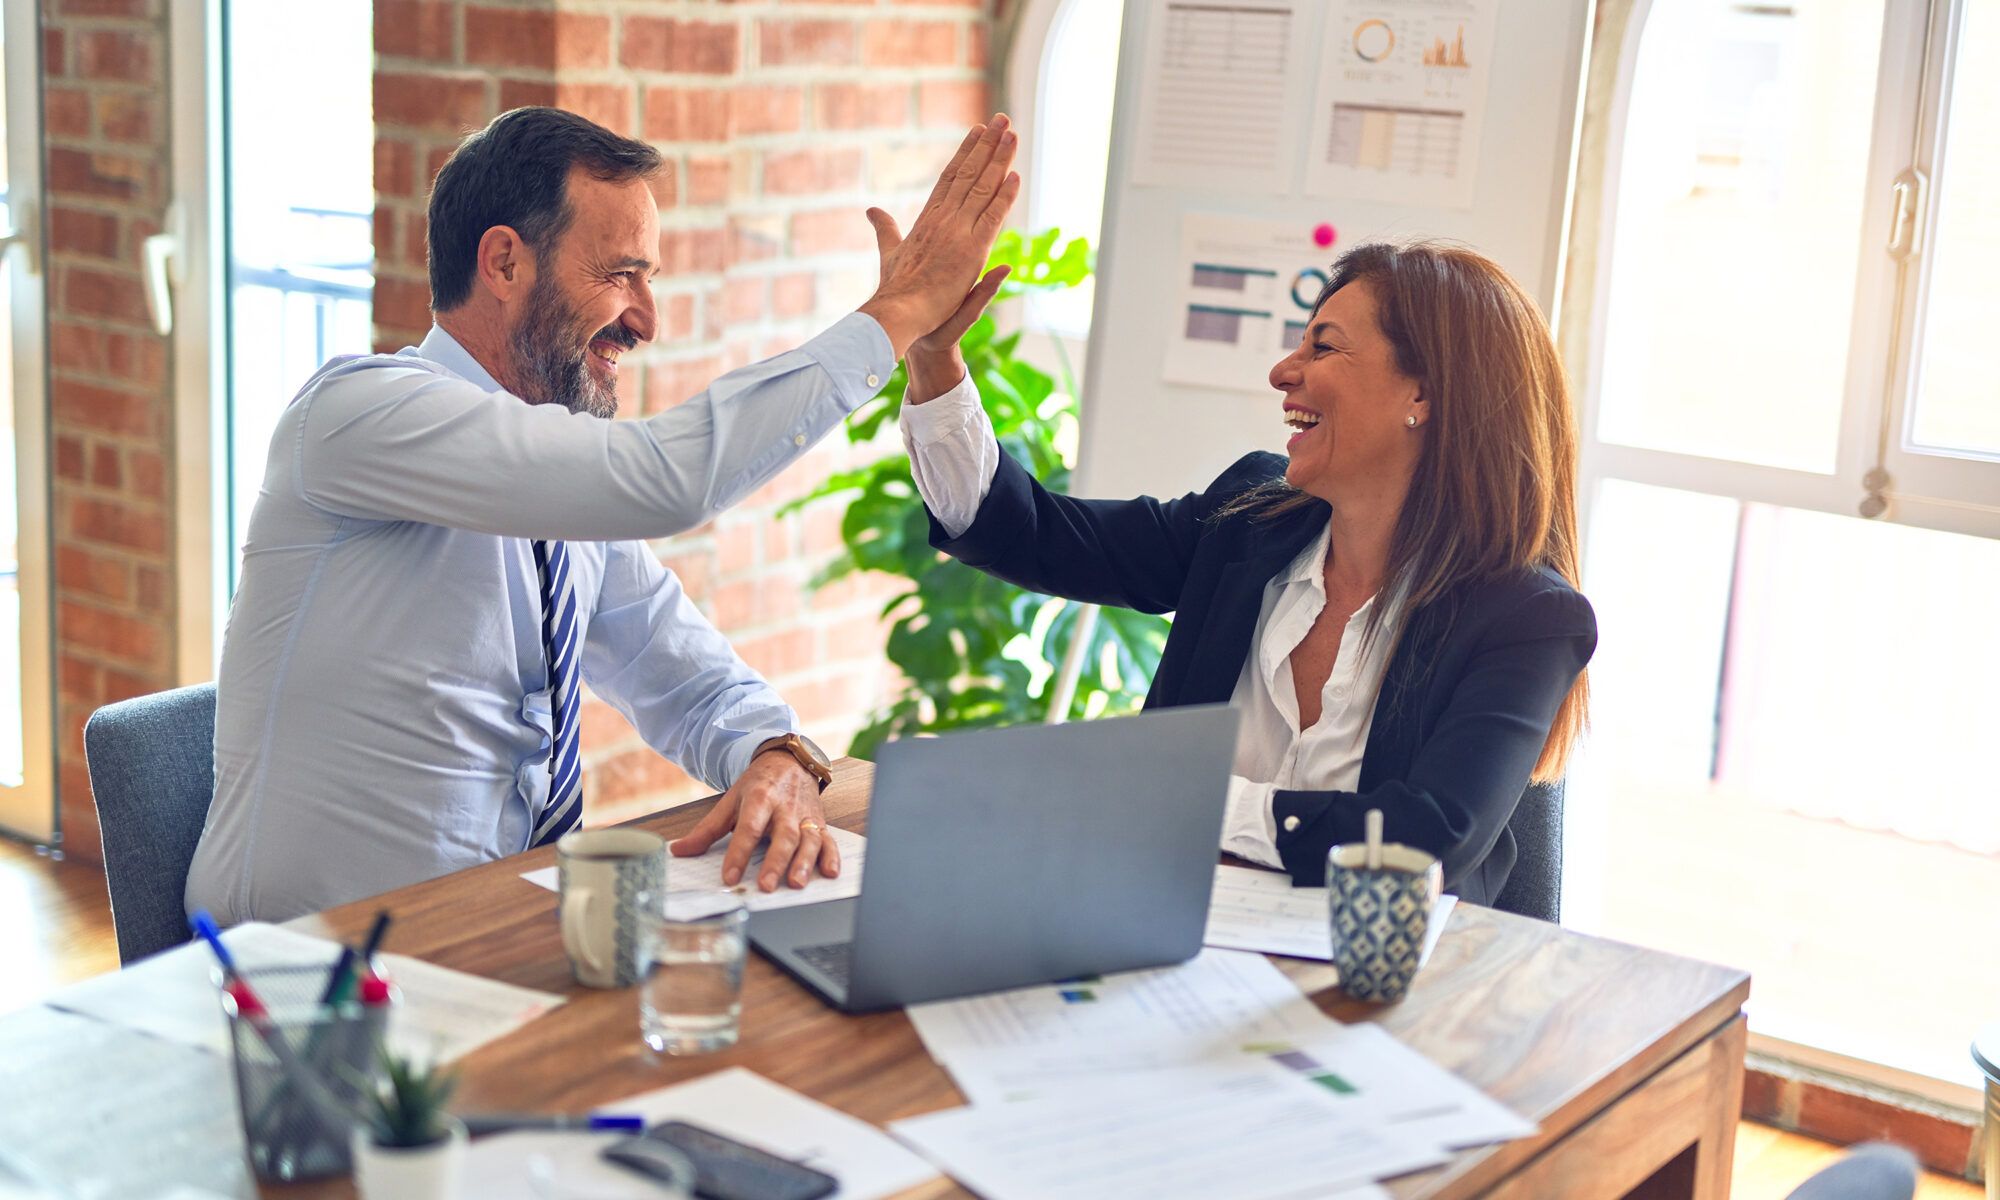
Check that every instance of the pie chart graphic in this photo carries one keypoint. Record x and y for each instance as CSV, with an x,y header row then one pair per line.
x,y
1373,39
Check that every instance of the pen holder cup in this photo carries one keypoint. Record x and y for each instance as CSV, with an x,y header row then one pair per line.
x,y
1379,917
303,1073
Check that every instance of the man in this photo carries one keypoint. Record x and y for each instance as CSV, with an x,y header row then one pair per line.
x,y
435,561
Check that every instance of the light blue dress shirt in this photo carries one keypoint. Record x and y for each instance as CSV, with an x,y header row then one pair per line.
x,y
382,712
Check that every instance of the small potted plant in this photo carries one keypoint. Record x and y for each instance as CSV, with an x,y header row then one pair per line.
x,y
407,1147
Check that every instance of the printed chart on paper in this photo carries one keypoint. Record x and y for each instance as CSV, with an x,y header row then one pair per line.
x,y
1214,113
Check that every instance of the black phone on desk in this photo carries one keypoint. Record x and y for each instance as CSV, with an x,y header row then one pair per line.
x,y
724,1168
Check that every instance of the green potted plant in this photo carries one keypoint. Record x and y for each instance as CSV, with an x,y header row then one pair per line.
x,y
407,1147
974,651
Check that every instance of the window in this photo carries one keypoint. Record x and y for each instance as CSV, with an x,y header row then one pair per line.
x,y
1792,736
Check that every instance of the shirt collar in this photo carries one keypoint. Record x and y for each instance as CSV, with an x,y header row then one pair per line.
x,y
1309,566
443,349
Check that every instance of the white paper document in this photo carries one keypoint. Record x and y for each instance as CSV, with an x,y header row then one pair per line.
x,y
1033,1040
705,871
738,1103
1401,101
442,1013
1247,288
1261,910
100,1110
1212,111
1246,1137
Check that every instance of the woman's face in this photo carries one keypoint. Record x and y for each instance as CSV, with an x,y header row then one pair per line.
x,y
1348,401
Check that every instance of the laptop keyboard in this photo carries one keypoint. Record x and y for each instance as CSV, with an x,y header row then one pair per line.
x,y
829,960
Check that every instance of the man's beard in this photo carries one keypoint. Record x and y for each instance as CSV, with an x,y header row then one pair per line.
x,y
548,368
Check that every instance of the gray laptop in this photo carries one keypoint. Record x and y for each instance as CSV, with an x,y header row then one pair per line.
x,y
1007,857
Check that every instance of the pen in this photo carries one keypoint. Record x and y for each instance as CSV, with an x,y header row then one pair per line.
x,y
374,940
480,1124
338,977
204,925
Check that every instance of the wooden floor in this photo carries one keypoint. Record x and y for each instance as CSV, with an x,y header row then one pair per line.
x,y
55,927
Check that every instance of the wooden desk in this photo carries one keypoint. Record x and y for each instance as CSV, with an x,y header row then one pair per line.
x,y
1630,1060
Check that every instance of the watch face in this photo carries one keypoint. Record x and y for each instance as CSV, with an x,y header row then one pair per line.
x,y
818,754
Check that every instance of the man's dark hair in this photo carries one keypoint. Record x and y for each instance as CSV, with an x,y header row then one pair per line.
x,y
514,172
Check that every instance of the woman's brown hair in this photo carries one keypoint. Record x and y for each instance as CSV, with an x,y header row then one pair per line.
x,y
1494,490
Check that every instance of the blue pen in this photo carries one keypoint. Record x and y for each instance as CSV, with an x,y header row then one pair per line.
x,y
480,1124
204,925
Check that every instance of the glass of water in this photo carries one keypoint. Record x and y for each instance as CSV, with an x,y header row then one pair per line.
x,y
691,970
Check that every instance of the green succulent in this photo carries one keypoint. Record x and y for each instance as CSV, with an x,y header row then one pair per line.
x,y
407,1106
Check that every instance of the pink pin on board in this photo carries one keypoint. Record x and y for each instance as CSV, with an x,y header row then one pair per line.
x,y
1323,235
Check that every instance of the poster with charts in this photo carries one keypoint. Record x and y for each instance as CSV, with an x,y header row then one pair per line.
x,y
1401,101
1213,112
1247,288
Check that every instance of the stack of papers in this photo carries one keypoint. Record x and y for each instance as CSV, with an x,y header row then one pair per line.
x,y
1213,1078
1251,909
443,1014
705,871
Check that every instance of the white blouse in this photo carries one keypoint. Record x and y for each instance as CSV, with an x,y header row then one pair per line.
x,y
953,457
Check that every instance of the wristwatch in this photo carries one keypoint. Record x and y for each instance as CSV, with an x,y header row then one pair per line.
x,y
810,756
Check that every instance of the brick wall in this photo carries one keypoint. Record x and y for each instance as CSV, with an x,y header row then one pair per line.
x,y
110,419
780,123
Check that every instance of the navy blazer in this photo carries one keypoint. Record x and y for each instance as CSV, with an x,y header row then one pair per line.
x,y
1469,695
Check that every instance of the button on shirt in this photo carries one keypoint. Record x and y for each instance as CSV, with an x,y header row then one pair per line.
x,y
953,455
383,713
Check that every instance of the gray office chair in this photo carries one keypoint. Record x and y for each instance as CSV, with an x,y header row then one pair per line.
x,y
1535,887
152,772
1875,1171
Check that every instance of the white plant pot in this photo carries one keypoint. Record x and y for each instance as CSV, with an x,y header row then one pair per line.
x,y
409,1172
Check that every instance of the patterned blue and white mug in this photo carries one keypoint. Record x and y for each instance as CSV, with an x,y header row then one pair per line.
x,y
1380,916
601,874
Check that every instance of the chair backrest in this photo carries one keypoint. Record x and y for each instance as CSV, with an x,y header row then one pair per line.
x,y
1535,887
152,772
1875,1171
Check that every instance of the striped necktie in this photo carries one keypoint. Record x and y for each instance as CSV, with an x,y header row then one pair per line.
x,y
559,641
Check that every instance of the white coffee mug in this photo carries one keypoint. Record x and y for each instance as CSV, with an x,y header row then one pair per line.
x,y
602,873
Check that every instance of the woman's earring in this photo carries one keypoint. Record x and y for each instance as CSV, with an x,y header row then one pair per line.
x,y
1411,420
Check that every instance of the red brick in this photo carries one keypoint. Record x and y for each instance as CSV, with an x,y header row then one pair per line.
x,y
582,40
1761,1096
416,240
793,295
764,109
81,173
510,37
778,532
435,163
736,547
69,458
603,726
608,104
861,105
810,172
66,112
385,239
395,167
677,380
432,102
743,300
899,45
402,304
123,685
109,8
520,93
951,103
415,29
800,42
629,776
820,534
112,523
134,640
76,347
83,405
80,572
115,55
88,293
77,679
676,317
148,472
137,358
785,653
687,114
693,571
857,639
152,589
105,469
685,47
708,181
830,231
125,116
693,251
979,45
54,65
1844,1119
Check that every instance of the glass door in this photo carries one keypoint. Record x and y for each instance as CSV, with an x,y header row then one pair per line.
x,y
27,793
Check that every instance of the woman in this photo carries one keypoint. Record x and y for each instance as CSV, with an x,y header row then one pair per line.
x,y
1394,609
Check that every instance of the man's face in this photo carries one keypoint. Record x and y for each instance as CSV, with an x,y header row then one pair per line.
x,y
592,299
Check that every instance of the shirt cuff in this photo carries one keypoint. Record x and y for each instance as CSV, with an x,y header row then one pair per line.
x,y
939,418
857,356
1248,828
